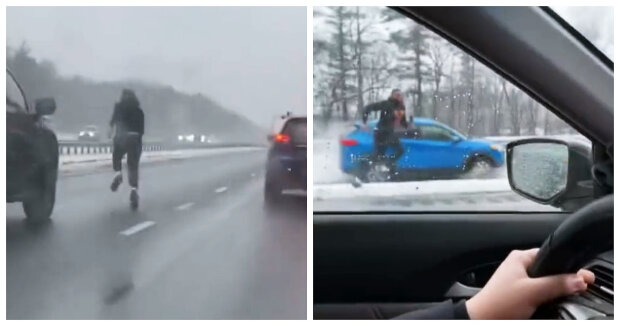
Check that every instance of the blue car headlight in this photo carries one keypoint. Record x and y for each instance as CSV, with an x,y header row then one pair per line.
x,y
496,147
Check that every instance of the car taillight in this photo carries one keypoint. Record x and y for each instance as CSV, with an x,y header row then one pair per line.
x,y
282,138
348,142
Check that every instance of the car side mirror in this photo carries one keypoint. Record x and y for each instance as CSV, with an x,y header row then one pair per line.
x,y
45,106
550,171
456,139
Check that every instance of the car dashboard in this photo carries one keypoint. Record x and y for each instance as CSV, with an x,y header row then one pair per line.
x,y
598,301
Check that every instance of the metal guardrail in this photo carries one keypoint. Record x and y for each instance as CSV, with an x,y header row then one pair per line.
x,y
86,147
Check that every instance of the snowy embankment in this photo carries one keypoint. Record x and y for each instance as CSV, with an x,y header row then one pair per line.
x,y
78,164
326,164
412,188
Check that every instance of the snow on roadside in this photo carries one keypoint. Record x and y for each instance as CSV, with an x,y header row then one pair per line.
x,y
326,166
412,188
78,163
476,202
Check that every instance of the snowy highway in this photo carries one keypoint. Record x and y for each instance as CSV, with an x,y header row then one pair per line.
x,y
201,245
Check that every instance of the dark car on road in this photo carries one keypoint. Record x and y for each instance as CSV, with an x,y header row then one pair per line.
x,y
31,153
286,160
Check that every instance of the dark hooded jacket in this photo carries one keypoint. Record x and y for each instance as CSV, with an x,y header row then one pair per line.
x,y
128,116
386,116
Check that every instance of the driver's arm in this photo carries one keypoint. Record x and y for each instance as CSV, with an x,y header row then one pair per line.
x,y
510,293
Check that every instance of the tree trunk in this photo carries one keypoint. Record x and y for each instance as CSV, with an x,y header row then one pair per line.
x,y
418,71
342,65
360,78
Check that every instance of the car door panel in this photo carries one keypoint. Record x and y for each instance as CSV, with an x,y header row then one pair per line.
x,y
434,154
391,258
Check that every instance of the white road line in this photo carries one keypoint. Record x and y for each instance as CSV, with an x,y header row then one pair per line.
x,y
220,190
184,206
137,228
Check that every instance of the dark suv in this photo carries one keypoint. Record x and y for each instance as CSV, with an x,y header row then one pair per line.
x,y
286,160
31,153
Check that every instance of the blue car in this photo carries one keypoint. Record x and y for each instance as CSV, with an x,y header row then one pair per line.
x,y
432,150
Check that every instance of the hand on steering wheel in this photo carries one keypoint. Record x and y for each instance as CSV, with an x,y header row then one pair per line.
x,y
512,294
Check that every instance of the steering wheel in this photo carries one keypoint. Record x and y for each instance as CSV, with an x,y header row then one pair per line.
x,y
586,233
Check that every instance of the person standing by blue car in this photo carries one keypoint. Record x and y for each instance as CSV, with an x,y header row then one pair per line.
x,y
384,133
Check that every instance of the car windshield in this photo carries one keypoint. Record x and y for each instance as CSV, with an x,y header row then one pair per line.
x,y
296,128
368,58
595,23
15,101
155,194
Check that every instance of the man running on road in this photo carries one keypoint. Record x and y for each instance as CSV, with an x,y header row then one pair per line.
x,y
384,136
128,125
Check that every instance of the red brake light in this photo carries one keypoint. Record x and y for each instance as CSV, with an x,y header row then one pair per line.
x,y
348,142
282,138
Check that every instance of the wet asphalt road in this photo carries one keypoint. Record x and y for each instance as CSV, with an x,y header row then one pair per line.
x,y
201,246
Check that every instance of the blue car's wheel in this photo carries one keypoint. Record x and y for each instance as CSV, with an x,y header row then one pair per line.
x,y
377,173
479,167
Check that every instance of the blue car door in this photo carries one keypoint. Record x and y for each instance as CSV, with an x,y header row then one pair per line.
x,y
436,149
407,161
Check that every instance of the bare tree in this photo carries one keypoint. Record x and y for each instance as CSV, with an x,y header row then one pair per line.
x,y
496,105
512,99
438,55
468,77
531,115
340,57
359,52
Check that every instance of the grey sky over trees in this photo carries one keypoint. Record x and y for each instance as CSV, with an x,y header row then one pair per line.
x,y
251,60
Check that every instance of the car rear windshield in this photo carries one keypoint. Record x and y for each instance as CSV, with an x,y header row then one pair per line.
x,y
296,128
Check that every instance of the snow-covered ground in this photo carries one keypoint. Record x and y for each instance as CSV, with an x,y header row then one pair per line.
x,y
326,164
410,189
471,202
77,164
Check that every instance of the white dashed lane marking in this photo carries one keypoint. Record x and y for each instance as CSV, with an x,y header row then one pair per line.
x,y
184,206
137,228
220,190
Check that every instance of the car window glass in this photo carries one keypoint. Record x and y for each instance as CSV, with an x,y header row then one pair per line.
x,y
435,133
361,56
15,102
296,128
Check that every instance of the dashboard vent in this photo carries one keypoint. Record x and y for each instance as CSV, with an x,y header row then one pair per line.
x,y
603,286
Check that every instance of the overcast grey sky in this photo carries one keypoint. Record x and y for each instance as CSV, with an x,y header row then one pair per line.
x,y
249,59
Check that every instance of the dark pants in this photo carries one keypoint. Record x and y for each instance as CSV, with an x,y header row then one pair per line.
x,y
131,145
383,141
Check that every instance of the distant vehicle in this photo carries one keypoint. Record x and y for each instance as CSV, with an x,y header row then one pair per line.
x,y
89,133
196,138
31,154
433,149
286,160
